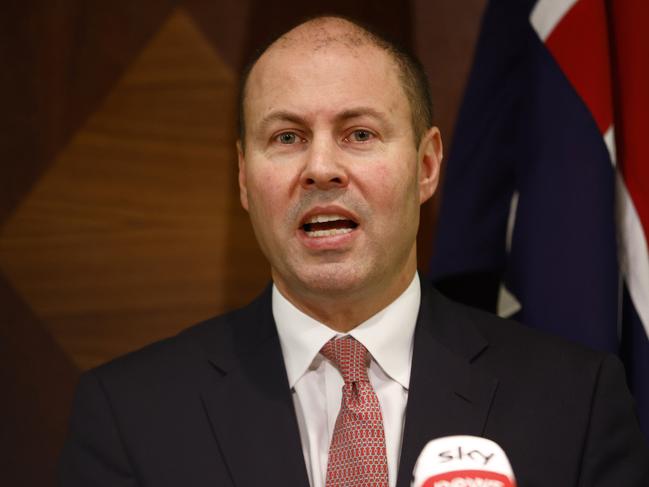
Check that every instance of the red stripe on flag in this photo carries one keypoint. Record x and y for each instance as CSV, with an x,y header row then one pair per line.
x,y
631,63
580,45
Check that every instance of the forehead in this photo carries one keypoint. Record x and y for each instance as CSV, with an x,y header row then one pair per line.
x,y
323,77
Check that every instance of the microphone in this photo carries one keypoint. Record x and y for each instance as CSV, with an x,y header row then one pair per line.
x,y
463,461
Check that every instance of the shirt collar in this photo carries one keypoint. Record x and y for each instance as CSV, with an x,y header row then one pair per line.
x,y
388,335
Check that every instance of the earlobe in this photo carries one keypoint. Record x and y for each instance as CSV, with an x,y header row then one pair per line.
x,y
430,160
243,183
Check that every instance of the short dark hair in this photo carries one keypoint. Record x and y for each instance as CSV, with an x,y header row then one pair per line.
x,y
411,74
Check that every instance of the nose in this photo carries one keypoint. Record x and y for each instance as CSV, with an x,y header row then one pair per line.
x,y
323,169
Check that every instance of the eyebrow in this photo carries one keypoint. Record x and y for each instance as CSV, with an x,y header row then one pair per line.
x,y
288,116
282,116
362,112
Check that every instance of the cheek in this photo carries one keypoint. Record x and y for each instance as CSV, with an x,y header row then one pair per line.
x,y
392,187
378,183
267,196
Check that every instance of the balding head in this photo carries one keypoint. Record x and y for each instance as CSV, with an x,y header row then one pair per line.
x,y
328,32
321,32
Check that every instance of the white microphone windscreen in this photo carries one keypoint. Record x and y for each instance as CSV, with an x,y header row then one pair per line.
x,y
463,461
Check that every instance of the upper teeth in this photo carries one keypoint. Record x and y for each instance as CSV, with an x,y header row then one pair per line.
x,y
325,218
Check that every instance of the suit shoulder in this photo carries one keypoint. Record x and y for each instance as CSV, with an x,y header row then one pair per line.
x,y
517,343
217,337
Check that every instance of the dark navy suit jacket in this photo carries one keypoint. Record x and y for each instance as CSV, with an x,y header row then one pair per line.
x,y
212,407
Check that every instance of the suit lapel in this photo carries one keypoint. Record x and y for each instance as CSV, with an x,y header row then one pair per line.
x,y
251,411
447,395
249,404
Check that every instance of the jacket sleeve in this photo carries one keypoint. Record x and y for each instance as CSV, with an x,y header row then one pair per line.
x,y
94,453
615,451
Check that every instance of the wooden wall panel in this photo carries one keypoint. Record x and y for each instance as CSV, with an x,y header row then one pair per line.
x,y
37,381
225,24
59,59
445,33
124,240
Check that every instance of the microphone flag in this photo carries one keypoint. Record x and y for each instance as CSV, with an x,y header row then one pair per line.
x,y
462,461
545,205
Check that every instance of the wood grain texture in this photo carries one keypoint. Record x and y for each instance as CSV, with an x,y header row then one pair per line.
x,y
224,23
60,58
125,239
37,380
445,33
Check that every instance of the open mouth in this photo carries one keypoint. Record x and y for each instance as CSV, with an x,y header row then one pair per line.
x,y
328,225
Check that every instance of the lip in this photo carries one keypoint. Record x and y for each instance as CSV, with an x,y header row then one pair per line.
x,y
332,242
328,210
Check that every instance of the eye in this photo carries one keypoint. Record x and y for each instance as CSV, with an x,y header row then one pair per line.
x,y
288,138
360,135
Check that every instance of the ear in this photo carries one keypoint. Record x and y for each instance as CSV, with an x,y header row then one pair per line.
x,y
243,183
430,156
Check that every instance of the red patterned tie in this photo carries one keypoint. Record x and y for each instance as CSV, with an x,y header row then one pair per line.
x,y
357,455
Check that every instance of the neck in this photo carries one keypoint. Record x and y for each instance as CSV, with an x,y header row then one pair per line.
x,y
344,311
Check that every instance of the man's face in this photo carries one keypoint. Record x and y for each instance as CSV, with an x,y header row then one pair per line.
x,y
331,175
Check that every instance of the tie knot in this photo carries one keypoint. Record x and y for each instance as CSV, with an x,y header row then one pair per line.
x,y
350,356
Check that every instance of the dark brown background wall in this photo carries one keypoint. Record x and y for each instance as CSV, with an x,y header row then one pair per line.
x,y
119,214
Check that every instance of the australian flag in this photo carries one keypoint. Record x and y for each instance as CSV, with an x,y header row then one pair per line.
x,y
545,204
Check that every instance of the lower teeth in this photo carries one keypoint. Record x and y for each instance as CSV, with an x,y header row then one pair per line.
x,y
328,233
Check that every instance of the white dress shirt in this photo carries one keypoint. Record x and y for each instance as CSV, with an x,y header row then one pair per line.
x,y
317,384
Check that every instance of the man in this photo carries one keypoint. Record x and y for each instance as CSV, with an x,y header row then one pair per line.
x,y
337,153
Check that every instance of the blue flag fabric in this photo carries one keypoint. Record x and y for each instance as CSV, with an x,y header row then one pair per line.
x,y
528,156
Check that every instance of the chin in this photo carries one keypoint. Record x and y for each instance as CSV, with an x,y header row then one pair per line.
x,y
334,279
